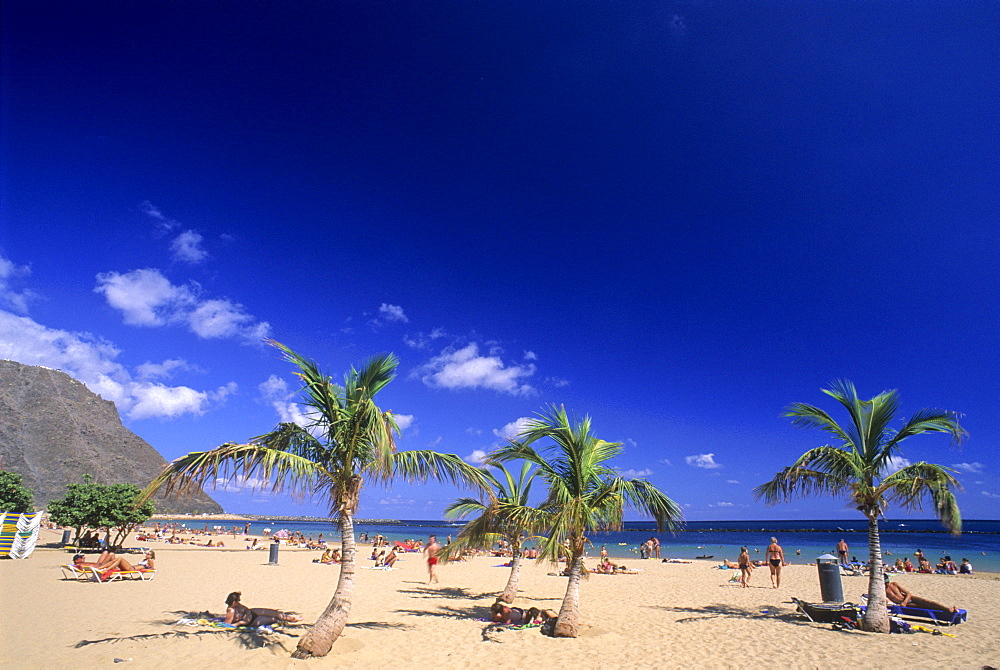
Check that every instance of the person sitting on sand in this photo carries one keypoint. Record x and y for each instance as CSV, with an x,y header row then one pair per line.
x,y
390,559
516,616
924,565
904,598
908,565
606,567
965,568
239,614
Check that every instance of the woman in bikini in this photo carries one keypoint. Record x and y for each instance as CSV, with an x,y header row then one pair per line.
x,y
775,559
513,615
239,614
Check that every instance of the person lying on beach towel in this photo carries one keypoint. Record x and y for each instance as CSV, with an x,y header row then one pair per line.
x,y
515,616
901,596
239,614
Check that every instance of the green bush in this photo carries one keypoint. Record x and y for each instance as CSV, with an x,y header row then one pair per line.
x,y
107,507
14,497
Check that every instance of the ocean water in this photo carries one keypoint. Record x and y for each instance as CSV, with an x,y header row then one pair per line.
x,y
802,541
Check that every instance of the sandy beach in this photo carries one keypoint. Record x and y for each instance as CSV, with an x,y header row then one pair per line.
x,y
668,615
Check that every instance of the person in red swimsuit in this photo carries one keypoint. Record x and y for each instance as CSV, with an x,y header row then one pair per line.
x,y
430,551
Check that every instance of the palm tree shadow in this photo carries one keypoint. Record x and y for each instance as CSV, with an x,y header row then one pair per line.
x,y
725,611
449,592
379,625
245,638
474,613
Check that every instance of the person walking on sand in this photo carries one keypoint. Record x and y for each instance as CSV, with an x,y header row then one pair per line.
x,y
430,552
775,559
746,567
842,552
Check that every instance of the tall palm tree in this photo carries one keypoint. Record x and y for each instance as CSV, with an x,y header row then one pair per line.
x,y
346,440
862,468
504,514
584,495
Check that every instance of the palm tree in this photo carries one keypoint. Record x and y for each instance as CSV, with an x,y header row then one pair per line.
x,y
862,468
584,495
346,440
505,514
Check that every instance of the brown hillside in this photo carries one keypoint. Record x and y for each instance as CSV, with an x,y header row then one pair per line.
x,y
53,429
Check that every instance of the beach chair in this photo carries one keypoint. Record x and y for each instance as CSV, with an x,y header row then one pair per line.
x,y
828,613
923,615
71,572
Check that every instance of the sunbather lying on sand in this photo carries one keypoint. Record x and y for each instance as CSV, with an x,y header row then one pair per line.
x,y
503,613
239,614
903,597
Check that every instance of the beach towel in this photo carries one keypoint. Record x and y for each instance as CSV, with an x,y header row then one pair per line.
x,y
220,622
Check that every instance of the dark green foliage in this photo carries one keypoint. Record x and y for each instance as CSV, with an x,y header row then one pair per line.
x,y
108,507
14,497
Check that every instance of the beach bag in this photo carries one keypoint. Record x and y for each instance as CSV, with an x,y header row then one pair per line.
x,y
897,625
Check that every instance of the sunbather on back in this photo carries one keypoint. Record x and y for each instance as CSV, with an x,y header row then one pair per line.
x,y
239,614
904,598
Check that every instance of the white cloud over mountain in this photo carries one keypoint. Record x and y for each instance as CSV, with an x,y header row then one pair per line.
x,y
91,360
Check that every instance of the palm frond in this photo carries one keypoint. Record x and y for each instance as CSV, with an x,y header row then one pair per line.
x,y
423,464
238,463
910,485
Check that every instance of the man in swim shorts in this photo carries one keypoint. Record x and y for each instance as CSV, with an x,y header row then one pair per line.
x,y
842,552
430,551
775,559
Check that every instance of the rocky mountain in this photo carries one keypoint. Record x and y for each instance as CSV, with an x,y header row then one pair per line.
x,y
53,429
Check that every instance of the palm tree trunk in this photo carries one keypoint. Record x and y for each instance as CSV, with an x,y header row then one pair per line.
x,y
510,591
568,623
876,616
329,626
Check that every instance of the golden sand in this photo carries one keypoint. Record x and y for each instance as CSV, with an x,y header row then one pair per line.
x,y
668,615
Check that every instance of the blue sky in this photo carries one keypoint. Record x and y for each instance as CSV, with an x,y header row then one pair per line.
x,y
678,217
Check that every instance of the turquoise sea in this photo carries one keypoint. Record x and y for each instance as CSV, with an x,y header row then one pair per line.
x,y
979,541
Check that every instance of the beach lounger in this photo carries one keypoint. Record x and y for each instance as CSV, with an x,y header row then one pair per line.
x,y
923,615
84,575
827,613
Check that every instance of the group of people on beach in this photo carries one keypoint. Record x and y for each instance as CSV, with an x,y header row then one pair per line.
x,y
774,559
108,563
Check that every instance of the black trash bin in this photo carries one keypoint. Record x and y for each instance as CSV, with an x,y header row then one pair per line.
x,y
830,586
273,558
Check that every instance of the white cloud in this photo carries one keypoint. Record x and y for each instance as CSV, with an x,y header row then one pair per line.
x,y
396,500
706,461
275,392
91,360
153,212
633,474
971,468
732,481
392,313
239,483
15,300
722,504
991,495
465,369
220,318
477,457
404,421
557,382
422,341
146,298
187,248
666,461
530,356
895,464
149,370
512,429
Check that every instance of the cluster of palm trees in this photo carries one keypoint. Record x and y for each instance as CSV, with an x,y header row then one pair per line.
x,y
348,440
